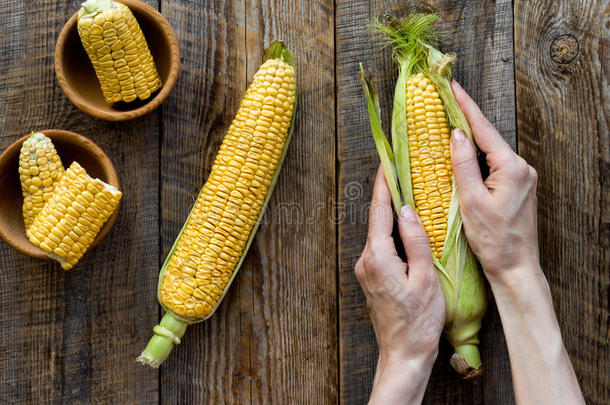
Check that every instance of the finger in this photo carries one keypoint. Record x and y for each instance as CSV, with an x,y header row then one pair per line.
x,y
417,246
485,134
381,218
380,257
466,167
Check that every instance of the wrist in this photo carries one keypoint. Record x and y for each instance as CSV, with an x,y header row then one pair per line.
x,y
402,379
417,362
523,293
512,279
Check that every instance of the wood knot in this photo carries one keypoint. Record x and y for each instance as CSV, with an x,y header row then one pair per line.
x,y
564,49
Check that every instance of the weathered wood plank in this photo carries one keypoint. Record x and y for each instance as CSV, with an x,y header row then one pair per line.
x,y
561,65
211,36
294,273
273,338
72,336
482,37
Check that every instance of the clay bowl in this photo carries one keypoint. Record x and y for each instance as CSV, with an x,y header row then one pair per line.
x,y
70,147
79,82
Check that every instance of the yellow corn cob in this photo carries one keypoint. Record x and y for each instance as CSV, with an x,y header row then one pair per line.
x,y
118,51
222,223
75,213
39,169
430,158
228,206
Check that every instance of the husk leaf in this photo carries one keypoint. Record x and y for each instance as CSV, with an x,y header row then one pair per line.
x,y
381,142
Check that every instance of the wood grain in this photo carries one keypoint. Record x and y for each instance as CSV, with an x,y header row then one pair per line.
x,y
294,327
273,339
72,336
561,66
481,34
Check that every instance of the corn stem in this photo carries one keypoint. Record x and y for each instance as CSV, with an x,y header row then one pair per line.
x,y
167,334
91,6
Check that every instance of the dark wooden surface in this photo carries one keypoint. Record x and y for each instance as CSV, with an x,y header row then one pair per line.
x,y
294,326
273,339
562,64
71,337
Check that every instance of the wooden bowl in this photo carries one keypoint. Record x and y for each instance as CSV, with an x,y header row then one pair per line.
x,y
80,84
70,147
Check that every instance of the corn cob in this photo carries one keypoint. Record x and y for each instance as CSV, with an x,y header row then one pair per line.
x,y
39,169
75,213
430,158
418,171
215,238
118,51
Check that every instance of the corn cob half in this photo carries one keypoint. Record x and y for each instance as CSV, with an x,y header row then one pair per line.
x,y
118,51
221,225
418,171
39,170
73,216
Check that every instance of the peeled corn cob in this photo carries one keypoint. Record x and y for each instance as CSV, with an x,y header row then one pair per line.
x,y
430,158
118,51
75,213
215,238
418,171
39,169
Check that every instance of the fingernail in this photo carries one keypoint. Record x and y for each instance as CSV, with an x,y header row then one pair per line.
x,y
408,214
458,136
455,83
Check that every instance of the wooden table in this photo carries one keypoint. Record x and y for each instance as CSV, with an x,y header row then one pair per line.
x,y
294,327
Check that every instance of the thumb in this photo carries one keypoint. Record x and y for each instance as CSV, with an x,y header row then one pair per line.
x,y
415,241
465,166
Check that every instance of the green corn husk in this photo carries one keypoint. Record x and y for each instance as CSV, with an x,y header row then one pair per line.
x,y
413,41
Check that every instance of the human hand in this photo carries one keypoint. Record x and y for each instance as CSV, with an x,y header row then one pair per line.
x,y
499,214
405,300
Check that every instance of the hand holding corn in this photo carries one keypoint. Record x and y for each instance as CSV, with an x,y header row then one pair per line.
x,y
499,216
418,172
500,211
405,301
500,221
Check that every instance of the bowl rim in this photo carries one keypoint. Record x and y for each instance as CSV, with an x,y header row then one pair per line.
x,y
174,67
105,162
